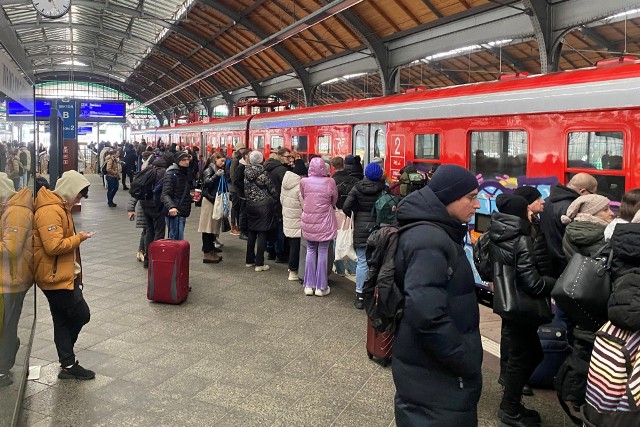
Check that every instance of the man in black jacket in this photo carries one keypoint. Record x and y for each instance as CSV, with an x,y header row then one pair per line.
x,y
129,167
175,194
276,167
437,352
555,206
345,183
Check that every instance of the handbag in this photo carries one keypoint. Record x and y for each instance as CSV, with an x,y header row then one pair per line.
x,y
344,241
222,198
513,303
584,287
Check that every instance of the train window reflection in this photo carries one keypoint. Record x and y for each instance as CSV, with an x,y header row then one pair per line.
x,y
498,153
427,146
380,146
258,142
324,144
360,144
277,142
595,150
299,143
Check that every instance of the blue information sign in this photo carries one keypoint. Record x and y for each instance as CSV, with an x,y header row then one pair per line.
x,y
68,112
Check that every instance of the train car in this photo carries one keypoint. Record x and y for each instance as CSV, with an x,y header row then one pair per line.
x,y
520,130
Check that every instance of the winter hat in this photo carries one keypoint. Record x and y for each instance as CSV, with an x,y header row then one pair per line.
x,y
180,155
451,182
348,160
530,193
512,205
256,157
7,189
589,204
299,168
239,146
373,171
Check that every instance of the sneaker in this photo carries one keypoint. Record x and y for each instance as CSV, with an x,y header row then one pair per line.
x,y
76,372
249,265
262,267
293,276
322,293
243,236
140,256
359,302
5,380
517,420
112,205
218,245
308,291
216,250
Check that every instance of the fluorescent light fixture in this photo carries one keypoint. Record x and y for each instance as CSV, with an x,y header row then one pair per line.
x,y
73,62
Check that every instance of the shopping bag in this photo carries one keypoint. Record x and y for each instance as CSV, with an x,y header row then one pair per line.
x,y
222,199
344,241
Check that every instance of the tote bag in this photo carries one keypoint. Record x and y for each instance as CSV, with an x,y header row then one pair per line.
x,y
222,200
344,241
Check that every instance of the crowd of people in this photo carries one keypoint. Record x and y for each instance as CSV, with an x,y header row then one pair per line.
x,y
15,161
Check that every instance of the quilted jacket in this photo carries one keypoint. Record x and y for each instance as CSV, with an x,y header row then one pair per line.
x,y
320,194
291,201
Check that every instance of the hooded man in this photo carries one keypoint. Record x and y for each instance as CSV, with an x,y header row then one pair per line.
x,y
16,268
437,352
58,267
175,194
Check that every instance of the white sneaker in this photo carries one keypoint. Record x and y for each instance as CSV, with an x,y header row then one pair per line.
x,y
320,293
249,265
308,291
293,275
218,245
140,256
262,268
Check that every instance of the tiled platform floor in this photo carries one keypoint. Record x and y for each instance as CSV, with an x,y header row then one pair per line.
x,y
246,349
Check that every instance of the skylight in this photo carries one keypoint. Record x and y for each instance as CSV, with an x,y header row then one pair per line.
x,y
74,62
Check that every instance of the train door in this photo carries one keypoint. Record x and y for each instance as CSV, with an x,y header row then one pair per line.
x,y
369,142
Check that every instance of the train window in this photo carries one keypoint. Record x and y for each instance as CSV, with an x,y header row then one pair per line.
x,y
595,150
299,143
427,146
611,186
258,142
380,145
360,144
324,144
277,142
235,140
497,153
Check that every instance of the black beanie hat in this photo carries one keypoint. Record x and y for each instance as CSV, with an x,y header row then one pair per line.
x,y
530,193
299,168
451,182
512,205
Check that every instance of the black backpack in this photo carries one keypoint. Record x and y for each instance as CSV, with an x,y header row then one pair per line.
x,y
383,298
343,191
143,184
481,259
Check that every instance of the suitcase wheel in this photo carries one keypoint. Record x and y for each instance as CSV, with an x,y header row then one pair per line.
x,y
384,362
370,355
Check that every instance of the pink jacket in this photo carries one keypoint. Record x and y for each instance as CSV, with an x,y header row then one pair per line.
x,y
320,194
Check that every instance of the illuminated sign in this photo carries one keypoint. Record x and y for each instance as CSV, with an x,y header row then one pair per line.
x,y
102,111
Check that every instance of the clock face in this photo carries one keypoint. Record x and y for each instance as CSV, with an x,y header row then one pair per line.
x,y
52,8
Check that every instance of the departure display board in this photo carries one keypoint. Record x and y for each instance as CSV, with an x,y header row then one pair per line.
x,y
102,111
16,111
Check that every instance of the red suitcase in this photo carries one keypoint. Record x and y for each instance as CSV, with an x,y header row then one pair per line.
x,y
379,344
168,275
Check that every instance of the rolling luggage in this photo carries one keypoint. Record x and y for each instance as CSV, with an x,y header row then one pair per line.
x,y
168,275
379,344
555,346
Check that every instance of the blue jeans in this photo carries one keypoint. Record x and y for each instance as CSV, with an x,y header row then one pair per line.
x,y
112,188
361,268
175,224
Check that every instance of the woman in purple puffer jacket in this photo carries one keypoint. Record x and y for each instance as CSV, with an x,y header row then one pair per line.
x,y
319,225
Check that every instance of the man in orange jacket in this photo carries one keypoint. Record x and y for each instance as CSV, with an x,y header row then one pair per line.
x,y
58,269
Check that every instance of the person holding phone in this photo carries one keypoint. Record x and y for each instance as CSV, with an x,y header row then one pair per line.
x,y
58,269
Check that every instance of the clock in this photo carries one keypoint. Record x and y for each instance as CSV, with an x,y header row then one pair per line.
x,y
52,8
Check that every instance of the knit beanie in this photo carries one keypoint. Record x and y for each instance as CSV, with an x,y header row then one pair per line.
x,y
348,160
256,157
451,182
589,204
373,172
180,155
512,205
530,193
299,168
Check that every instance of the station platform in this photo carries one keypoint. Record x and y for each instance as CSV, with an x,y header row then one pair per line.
x,y
246,348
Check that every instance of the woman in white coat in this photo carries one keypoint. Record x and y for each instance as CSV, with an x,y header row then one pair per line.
x,y
291,201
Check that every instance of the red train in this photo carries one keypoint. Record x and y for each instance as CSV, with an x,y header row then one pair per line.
x,y
546,126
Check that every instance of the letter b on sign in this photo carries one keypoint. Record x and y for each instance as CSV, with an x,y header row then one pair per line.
x,y
65,114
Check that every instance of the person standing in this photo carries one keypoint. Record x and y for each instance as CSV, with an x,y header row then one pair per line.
x,y
129,168
58,269
344,183
361,201
209,227
16,268
318,222
113,175
238,154
437,351
511,251
292,202
238,182
175,195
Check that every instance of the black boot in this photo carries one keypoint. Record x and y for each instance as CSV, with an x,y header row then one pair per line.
x,y
359,302
524,418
